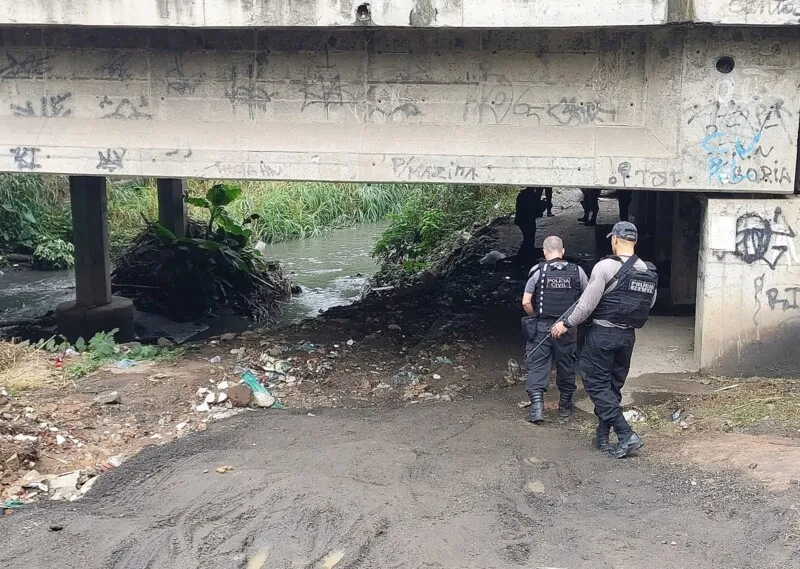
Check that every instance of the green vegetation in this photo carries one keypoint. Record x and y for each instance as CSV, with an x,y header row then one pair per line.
x,y
54,255
101,349
431,219
35,209
215,265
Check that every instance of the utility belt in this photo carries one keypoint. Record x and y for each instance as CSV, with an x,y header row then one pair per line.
x,y
529,325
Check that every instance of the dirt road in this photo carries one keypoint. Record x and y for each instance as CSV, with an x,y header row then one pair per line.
x,y
467,485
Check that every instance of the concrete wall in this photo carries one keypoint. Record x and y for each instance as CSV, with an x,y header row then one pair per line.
x,y
398,13
748,312
644,109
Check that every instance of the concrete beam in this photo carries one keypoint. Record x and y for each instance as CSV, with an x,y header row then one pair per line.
x,y
399,13
653,109
172,205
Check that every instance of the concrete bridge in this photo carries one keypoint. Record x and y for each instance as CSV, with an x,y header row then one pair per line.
x,y
692,98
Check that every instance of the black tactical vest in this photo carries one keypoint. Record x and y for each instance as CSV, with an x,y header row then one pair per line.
x,y
558,287
629,303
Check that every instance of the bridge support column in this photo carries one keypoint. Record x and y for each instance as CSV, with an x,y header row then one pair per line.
x,y
686,229
94,309
171,205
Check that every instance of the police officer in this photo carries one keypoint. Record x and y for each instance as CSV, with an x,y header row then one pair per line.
x,y
552,288
620,294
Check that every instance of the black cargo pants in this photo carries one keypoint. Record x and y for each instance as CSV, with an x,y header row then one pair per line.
x,y
538,362
604,365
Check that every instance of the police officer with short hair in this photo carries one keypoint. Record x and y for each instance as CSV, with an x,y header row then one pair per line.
x,y
553,287
620,294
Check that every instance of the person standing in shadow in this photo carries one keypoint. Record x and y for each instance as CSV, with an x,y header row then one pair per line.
x,y
591,205
528,209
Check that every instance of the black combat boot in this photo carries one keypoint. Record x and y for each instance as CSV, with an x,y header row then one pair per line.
x,y
628,444
565,406
537,408
585,217
601,438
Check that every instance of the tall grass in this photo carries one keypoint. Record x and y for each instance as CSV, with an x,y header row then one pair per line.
x,y
35,208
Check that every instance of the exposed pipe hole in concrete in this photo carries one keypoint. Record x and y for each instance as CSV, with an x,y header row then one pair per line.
x,y
363,13
725,64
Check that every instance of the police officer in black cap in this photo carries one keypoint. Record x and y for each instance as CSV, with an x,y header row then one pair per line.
x,y
553,287
620,294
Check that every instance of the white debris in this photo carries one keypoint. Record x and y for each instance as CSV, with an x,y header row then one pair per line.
x,y
263,399
634,416
210,398
350,342
222,397
223,385
202,408
60,440
180,426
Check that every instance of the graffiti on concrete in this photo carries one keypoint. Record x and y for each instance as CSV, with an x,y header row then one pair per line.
x,y
125,109
179,153
112,159
260,170
497,100
736,140
628,177
28,66
759,239
411,168
379,102
117,67
180,83
49,107
768,7
25,157
247,93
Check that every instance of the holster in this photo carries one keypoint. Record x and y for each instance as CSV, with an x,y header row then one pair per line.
x,y
529,327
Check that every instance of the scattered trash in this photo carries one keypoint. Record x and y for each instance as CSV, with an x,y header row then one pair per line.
x,y
492,257
676,416
181,426
60,440
332,559
536,487
215,360
634,416
202,407
224,469
223,385
350,342
405,377
240,395
437,376
125,364
523,404
227,337
726,388
441,360
262,396
110,398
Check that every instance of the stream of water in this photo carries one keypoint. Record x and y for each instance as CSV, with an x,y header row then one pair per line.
x,y
331,270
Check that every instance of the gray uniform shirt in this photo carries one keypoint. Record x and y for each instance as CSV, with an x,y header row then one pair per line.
x,y
602,274
530,286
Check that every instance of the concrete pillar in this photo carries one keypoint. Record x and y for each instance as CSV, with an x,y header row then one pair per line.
x,y
171,205
94,309
685,249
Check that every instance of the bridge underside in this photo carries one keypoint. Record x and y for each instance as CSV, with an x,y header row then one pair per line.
x,y
703,109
